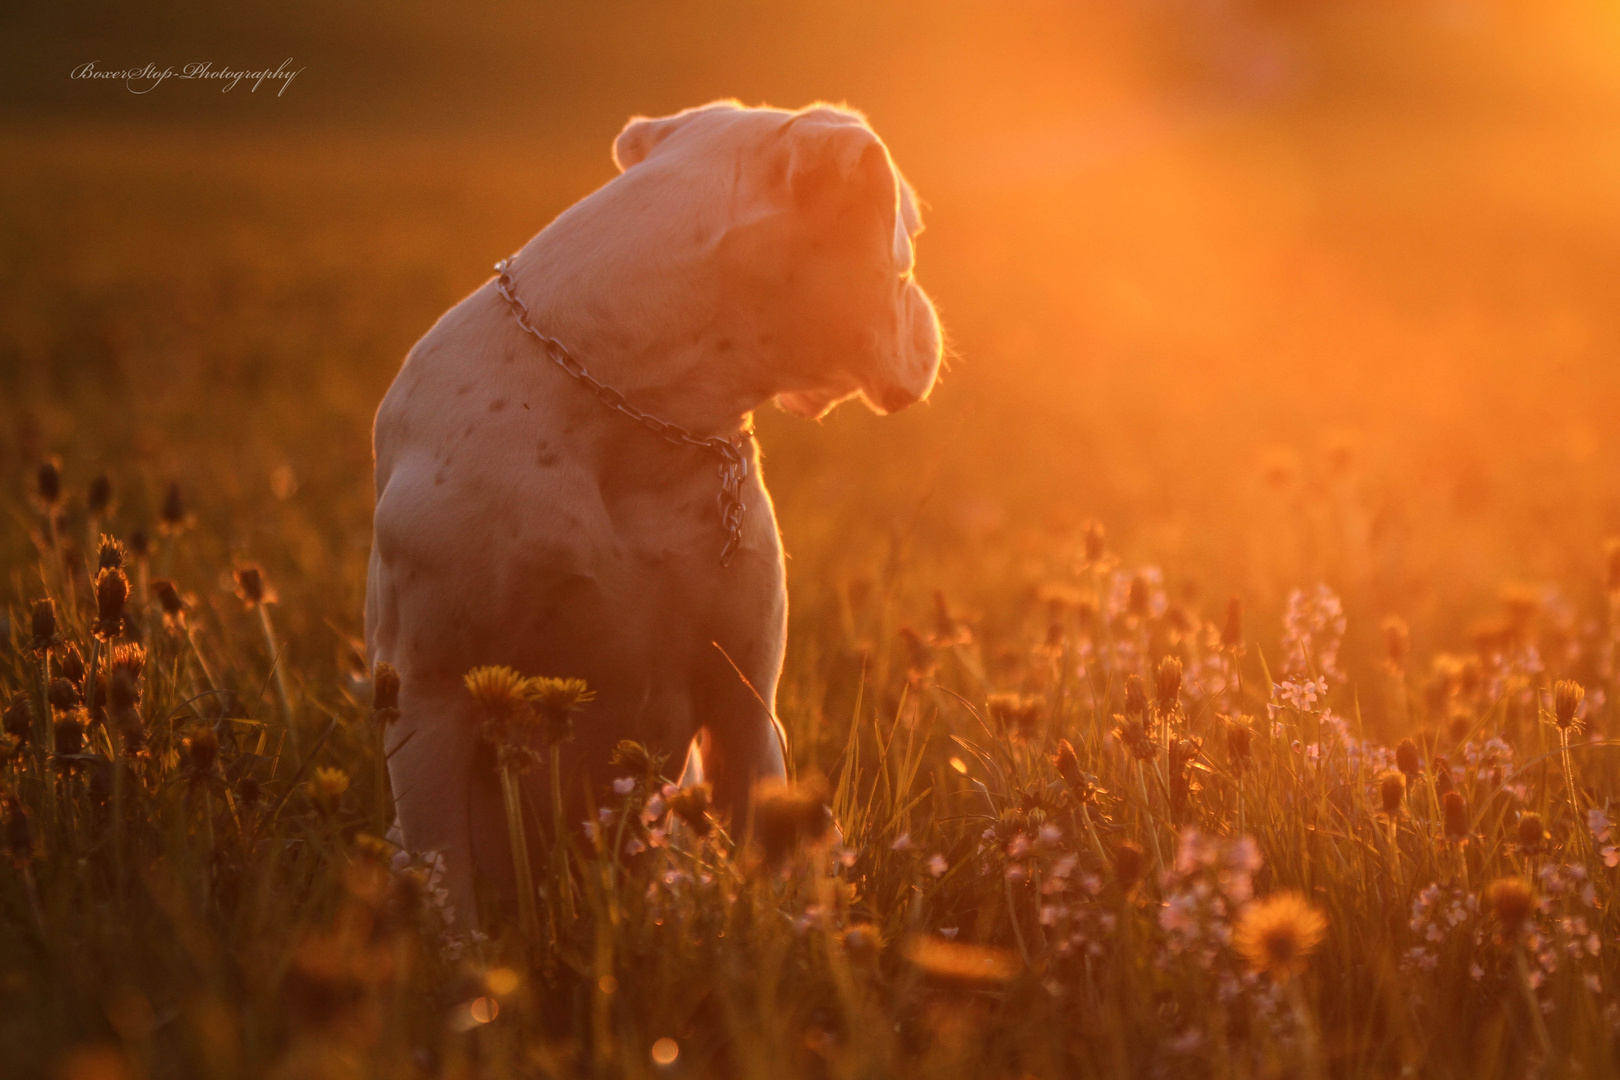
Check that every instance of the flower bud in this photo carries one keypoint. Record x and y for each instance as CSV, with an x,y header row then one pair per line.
x,y
1567,697
1456,815
1167,685
112,591
44,624
1532,834
49,481
1130,863
385,694
1232,629
100,497
1094,541
1406,758
1136,702
1513,902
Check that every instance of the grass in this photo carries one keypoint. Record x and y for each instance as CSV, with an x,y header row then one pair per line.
x,y
1089,820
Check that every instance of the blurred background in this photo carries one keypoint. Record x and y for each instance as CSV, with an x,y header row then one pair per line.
x,y
1278,290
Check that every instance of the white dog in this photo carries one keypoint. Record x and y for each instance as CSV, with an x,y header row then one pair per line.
x,y
742,255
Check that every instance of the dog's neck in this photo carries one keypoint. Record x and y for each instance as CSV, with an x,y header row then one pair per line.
x,y
662,361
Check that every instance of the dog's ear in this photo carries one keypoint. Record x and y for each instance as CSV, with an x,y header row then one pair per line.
x,y
835,159
642,134
639,137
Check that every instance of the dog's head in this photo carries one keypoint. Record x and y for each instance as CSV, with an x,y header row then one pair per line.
x,y
811,229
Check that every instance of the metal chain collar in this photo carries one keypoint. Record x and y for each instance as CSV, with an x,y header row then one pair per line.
x,y
732,452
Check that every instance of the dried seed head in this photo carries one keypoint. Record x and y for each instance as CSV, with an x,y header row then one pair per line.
x,y
1276,935
1167,684
1391,790
1136,702
168,598
19,831
858,591
48,483
385,693
1456,814
69,731
70,664
633,759
1460,724
64,694
1522,603
124,691
1442,775
112,591
251,586
1239,743
947,628
1567,697
1532,834
124,696
1067,764
1406,758
110,554
333,984
1232,628
174,510
100,496
1017,715
1397,643
919,654
1130,863
44,625
787,815
691,805
1136,738
1513,902
1182,781
1136,599
140,545
202,749
19,718
1095,541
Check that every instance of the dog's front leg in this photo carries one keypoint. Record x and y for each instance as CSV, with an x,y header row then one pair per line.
x,y
746,743
431,749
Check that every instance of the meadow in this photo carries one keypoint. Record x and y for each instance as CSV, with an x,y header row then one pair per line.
x,y
1216,678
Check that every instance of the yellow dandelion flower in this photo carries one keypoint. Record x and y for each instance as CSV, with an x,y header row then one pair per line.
x,y
556,700
1275,935
498,691
329,784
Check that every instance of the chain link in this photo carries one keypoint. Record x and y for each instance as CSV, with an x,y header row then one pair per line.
x,y
732,452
